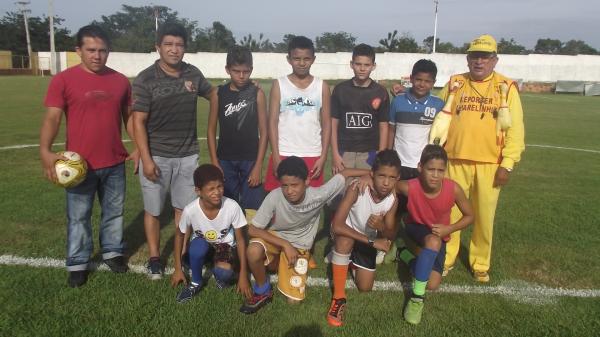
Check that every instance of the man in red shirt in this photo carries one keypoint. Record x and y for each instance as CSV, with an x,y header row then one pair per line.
x,y
94,99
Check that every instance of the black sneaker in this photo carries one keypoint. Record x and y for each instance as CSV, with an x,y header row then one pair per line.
x,y
154,268
256,302
77,278
187,293
117,264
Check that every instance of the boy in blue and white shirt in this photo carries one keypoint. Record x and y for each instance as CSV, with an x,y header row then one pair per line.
x,y
411,116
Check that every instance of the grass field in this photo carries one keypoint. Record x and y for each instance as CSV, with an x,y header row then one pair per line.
x,y
545,271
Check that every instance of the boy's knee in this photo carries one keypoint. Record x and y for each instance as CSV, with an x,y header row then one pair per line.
x,y
364,288
433,286
433,242
223,275
435,279
255,252
343,244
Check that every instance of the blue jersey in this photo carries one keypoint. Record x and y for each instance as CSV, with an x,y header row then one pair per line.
x,y
412,119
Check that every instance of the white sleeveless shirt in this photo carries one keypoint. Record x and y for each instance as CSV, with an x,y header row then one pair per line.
x,y
300,118
364,207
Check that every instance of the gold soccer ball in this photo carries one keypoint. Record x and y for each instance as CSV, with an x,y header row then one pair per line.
x,y
70,172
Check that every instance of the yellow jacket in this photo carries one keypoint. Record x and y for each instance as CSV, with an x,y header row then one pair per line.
x,y
472,133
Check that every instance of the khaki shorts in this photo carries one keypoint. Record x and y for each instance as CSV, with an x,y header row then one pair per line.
x,y
290,282
359,160
176,177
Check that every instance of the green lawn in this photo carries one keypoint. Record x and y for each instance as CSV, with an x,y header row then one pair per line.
x,y
547,233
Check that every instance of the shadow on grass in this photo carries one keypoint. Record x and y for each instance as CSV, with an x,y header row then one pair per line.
x,y
312,330
135,236
325,233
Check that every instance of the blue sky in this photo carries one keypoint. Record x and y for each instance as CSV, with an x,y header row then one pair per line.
x,y
458,21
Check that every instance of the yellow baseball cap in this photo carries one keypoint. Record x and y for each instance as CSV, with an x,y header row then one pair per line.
x,y
485,43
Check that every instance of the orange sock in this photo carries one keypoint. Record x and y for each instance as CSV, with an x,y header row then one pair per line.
x,y
339,280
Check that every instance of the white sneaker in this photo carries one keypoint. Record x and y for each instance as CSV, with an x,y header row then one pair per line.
x,y
380,257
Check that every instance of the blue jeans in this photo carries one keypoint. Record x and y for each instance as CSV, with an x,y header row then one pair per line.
x,y
109,183
236,173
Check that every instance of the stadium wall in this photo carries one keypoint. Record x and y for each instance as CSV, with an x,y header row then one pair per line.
x,y
527,68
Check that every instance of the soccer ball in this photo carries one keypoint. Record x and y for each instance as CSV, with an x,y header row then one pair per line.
x,y
71,172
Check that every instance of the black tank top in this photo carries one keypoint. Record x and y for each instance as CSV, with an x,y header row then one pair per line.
x,y
238,123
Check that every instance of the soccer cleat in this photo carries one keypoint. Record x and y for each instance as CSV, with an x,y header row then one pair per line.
x,y
188,292
481,276
380,256
414,310
77,278
117,264
390,256
312,263
154,268
446,270
256,302
335,316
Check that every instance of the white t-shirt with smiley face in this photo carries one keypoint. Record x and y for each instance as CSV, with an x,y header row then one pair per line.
x,y
217,230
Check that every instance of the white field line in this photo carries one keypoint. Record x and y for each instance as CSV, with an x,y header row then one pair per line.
x,y
24,146
522,290
563,148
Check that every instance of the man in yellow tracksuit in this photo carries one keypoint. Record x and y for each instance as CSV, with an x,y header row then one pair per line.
x,y
481,157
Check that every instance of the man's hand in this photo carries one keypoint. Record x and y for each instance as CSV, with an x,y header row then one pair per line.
x,y
397,89
178,277
440,230
151,170
337,164
291,254
382,244
317,168
375,221
362,184
502,176
243,286
49,158
276,161
254,178
135,157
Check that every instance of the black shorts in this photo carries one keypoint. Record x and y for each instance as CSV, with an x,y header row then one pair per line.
x,y
417,233
363,256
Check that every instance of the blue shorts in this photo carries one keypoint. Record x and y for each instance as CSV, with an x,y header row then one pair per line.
x,y
236,173
417,233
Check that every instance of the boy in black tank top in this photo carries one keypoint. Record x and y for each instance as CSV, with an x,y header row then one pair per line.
x,y
242,118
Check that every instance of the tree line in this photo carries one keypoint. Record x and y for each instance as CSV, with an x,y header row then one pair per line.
x,y
132,29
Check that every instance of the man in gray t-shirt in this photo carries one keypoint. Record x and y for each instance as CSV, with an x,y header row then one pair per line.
x,y
287,222
164,115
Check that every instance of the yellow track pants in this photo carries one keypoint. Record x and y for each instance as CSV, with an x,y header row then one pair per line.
x,y
476,180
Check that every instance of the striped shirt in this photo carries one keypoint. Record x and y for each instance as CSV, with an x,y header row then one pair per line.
x,y
171,105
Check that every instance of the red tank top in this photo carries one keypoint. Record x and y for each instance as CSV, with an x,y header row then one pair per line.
x,y
426,211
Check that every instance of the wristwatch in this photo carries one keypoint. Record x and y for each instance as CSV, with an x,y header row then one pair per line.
x,y
508,169
371,242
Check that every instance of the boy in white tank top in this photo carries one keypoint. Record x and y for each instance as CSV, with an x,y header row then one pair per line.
x,y
299,115
362,225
